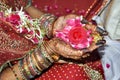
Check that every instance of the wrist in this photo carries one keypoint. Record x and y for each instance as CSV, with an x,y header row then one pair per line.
x,y
47,21
50,49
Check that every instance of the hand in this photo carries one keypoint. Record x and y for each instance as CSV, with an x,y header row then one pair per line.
x,y
61,22
59,47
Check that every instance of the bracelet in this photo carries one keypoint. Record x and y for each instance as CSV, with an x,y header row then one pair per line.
x,y
46,61
33,69
20,63
40,60
37,69
39,66
34,63
43,51
52,53
46,21
27,67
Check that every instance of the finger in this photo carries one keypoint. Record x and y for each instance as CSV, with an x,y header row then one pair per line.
x,y
66,50
90,26
70,16
101,43
92,47
101,31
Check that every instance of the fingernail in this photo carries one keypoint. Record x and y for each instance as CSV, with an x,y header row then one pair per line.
x,y
101,42
85,50
101,31
84,21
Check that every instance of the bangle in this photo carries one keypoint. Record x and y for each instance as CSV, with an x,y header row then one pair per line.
x,y
28,70
46,21
40,60
37,69
33,69
39,66
46,61
20,63
52,53
43,51
22,68
25,67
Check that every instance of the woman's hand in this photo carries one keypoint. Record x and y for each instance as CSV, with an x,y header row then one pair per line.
x,y
61,48
65,49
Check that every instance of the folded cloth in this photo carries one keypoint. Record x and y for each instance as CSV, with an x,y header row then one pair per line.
x,y
110,59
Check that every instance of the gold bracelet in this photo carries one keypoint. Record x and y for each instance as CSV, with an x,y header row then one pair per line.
x,y
46,54
51,52
40,59
38,66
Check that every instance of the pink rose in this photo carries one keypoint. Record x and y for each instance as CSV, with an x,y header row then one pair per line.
x,y
75,34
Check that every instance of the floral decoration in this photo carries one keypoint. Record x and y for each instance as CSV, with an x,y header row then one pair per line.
x,y
22,23
76,34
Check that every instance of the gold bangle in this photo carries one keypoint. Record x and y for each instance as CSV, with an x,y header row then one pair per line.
x,y
27,69
46,54
36,63
52,53
40,60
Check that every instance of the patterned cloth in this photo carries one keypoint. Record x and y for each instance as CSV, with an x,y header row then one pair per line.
x,y
91,67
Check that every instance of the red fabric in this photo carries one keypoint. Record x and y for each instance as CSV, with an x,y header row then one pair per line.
x,y
12,45
64,7
69,72
57,71
73,71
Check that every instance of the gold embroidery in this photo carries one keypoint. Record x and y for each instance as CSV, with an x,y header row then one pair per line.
x,y
3,6
13,45
92,74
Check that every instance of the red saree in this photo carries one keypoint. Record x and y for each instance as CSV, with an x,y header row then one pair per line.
x,y
13,45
